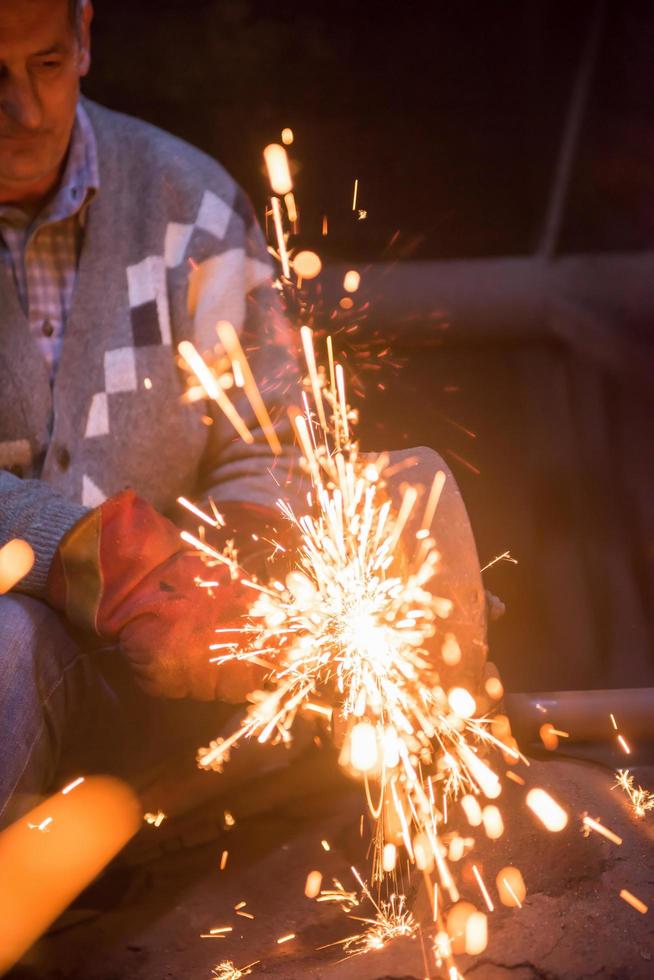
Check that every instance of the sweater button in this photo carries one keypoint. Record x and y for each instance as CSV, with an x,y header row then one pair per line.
x,y
47,329
63,458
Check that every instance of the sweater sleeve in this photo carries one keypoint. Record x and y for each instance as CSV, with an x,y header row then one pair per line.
x,y
234,470
33,511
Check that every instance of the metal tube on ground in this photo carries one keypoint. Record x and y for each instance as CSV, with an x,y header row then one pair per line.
x,y
584,715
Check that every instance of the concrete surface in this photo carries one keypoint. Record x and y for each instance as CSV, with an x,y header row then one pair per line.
x,y
573,924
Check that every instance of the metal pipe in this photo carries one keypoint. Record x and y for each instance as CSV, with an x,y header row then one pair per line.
x,y
510,299
585,715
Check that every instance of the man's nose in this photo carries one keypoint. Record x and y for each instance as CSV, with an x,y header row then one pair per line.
x,y
20,103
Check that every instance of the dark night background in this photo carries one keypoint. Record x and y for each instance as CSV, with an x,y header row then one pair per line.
x,y
452,115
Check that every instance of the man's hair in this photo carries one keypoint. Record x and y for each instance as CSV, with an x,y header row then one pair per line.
x,y
74,10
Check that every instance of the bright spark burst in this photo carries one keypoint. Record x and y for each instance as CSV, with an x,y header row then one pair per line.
x,y
355,631
227,971
355,623
392,921
641,800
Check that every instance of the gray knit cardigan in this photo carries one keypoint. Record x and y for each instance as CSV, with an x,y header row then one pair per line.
x,y
171,246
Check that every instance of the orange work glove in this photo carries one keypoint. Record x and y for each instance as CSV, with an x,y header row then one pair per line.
x,y
123,572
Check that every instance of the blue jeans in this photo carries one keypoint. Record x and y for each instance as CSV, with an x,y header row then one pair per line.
x,y
70,707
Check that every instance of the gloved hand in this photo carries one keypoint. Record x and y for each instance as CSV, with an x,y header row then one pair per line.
x,y
123,572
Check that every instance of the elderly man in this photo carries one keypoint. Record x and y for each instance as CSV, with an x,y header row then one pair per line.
x,y
118,241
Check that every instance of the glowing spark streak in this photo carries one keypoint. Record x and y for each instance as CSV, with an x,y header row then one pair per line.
x,y
511,892
355,194
286,939
246,915
71,786
515,778
601,829
340,384
213,389
199,513
432,500
633,901
505,556
43,826
623,743
325,845
403,822
207,549
306,335
232,344
223,860
483,889
320,709
508,749
485,778
301,430
613,722
291,208
281,241
408,501
279,174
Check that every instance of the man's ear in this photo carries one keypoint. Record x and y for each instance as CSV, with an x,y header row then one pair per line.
x,y
86,17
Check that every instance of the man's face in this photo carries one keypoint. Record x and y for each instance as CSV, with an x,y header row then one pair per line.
x,y
42,58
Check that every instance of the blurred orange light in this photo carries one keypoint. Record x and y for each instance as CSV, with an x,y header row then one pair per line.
x,y
279,173
16,559
307,265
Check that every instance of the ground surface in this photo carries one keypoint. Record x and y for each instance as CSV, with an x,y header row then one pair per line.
x,y
573,924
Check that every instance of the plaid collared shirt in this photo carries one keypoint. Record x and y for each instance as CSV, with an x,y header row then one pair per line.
x,y
43,252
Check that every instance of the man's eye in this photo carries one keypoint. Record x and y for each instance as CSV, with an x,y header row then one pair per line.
x,y
49,65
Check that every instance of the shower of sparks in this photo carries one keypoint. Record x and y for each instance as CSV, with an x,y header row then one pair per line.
x,y
355,624
392,921
641,800
365,350
355,631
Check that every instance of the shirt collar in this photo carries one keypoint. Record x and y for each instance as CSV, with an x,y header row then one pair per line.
x,y
79,182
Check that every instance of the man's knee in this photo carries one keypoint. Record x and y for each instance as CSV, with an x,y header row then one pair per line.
x,y
459,577
32,637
